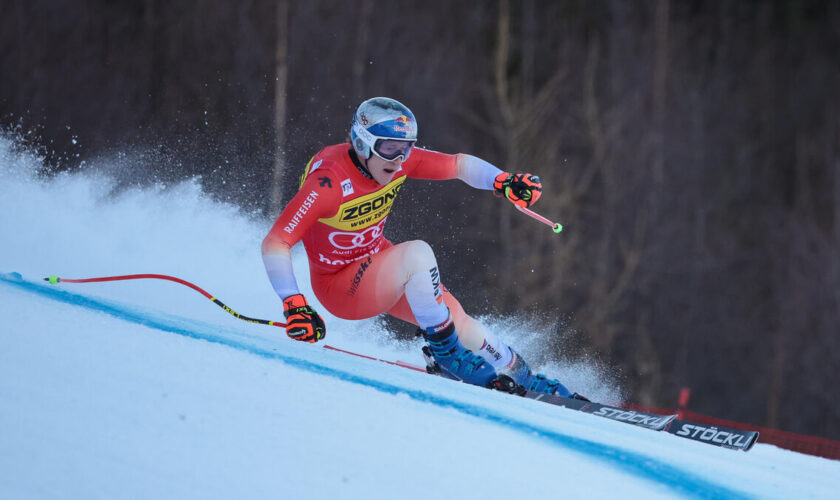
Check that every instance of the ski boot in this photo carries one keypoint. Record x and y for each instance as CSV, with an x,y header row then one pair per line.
x,y
518,379
446,356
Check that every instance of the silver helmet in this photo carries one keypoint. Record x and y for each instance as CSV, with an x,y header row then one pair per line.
x,y
384,127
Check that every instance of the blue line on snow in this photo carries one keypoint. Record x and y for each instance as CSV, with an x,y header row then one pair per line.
x,y
675,478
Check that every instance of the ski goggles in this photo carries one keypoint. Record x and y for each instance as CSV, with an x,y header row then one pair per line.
x,y
390,149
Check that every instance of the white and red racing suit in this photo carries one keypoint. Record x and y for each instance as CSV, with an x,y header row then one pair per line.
x,y
340,213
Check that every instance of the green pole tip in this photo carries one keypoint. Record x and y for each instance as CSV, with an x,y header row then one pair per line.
x,y
53,279
558,228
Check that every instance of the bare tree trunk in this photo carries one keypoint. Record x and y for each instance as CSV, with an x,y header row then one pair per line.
x,y
786,314
281,72
360,58
776,375
502,88
836,198
660,74
647,361
157,57
524,106
22,52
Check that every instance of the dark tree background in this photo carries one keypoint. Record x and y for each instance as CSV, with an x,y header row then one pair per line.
x,y
691,149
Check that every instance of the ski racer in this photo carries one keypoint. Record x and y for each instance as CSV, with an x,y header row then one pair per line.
x,y
339,212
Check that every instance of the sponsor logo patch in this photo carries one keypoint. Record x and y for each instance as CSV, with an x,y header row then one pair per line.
x,y
403,124
303,210
652,421
339,262
493,352
366,210
350,240
357,279
436,284
722,437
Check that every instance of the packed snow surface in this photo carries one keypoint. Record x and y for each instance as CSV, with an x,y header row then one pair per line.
x,y
146,389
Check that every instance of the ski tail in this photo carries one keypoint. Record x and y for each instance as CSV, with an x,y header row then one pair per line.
x,y
724,437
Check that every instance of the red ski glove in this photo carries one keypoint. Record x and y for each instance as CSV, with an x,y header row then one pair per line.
x,y
302,322
521,189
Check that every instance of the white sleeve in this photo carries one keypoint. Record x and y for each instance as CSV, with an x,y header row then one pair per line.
x,y
477,172
280,274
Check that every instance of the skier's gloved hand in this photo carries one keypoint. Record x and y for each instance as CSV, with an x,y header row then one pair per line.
x,y
302,322
521,189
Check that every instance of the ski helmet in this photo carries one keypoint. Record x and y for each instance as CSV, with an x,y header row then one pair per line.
x,y
384,127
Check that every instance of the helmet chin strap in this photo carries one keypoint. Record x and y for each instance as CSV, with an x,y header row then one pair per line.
x,y
359,165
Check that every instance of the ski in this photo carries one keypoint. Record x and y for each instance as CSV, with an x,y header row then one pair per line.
x,y
725,437
638,418
652,421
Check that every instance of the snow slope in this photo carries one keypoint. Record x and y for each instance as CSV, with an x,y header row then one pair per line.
x,y
145,389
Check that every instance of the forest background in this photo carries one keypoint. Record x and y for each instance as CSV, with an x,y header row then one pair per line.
x,y
690,148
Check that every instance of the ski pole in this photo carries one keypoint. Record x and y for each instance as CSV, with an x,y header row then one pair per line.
x,y
556,226
55,279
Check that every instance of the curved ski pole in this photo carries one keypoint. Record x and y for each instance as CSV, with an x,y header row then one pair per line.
x,y
55,279
556,226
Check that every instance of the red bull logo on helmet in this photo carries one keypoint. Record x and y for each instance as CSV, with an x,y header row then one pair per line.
x,y
403,123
